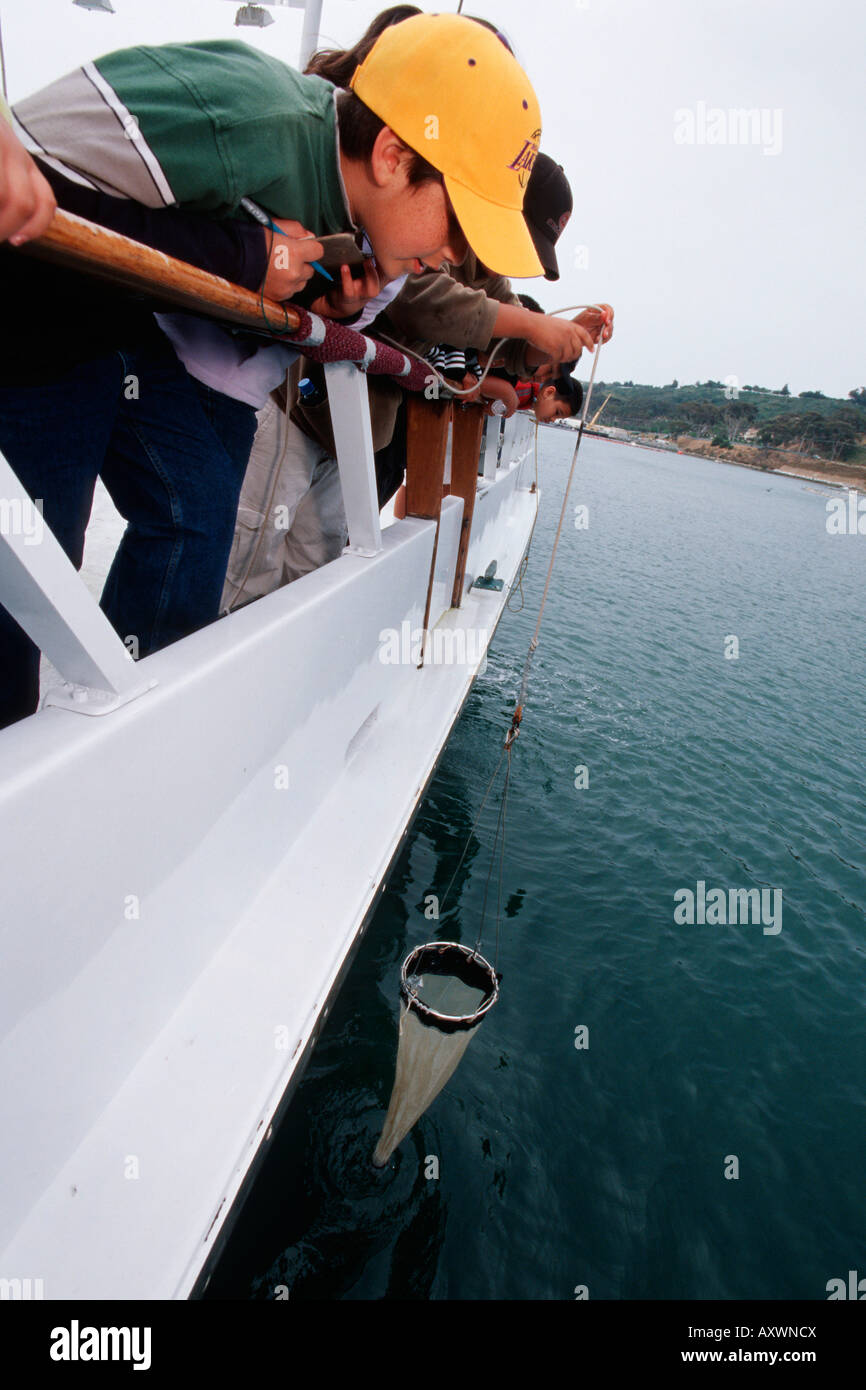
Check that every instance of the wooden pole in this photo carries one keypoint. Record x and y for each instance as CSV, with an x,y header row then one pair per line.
x,y
465,448
83,245
426,439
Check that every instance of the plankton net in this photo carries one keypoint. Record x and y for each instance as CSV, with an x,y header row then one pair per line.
x,y
445,991
445,988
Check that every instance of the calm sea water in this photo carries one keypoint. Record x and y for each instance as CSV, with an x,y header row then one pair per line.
x,y
605,1166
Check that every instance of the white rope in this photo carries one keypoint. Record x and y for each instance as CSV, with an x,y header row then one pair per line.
x,y
533,642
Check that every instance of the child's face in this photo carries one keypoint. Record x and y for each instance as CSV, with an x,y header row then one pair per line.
x,y
408,225
549,406
415,228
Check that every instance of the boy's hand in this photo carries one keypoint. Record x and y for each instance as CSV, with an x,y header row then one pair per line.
x,y
559,339
597,321
495,388
289,266
26,201
348,298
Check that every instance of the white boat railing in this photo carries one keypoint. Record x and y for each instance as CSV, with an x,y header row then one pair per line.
x,y
42,590
350,418
491,447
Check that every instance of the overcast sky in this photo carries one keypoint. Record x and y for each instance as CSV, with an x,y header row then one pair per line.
x,y
724,252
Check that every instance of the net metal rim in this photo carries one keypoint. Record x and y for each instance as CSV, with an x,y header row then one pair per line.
x,y
433,958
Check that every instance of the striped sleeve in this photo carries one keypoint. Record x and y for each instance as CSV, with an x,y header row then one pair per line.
x,y
450,361
81,128
197,125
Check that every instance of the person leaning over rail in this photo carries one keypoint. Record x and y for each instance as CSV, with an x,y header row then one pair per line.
x,y
470,307
224,361
547,209
104,391
476,307
558,398
290,515
171,453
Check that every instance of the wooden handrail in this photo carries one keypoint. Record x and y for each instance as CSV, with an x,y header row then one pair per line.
x,y
467,426
426,441
72,241
427,424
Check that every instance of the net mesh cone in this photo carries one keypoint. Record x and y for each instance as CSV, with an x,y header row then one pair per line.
x,y
426,1059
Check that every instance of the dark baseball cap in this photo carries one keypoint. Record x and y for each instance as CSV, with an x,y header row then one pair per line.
x,y
547,206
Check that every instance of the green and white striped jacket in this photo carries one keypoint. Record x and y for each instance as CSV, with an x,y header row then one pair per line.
x,y
198,125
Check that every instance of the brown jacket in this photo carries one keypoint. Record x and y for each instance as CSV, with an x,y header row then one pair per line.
x,y
458,308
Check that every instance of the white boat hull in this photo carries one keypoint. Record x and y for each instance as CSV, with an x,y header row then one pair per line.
x,y
185,881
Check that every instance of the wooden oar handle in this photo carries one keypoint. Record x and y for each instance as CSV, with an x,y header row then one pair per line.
x,y
83,245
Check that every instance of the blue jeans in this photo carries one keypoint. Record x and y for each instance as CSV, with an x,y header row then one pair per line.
x,y
172,454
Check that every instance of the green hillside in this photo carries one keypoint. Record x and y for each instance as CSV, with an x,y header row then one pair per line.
x,y
810,423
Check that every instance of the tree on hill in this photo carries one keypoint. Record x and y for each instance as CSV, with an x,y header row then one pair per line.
x,y
703,417
790,431
834,435
704,411
737,415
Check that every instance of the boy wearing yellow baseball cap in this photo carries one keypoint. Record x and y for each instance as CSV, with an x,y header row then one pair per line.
x,y
450,90
204,125
433,147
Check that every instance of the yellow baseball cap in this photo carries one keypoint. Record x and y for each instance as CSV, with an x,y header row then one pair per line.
x,y
453,93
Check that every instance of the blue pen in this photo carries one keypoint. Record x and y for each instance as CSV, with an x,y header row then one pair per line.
x,y
261,216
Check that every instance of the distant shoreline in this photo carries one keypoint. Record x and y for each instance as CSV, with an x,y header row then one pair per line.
x,y
762,461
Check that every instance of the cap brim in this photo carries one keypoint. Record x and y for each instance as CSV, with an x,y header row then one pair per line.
x,y
546,253
499,236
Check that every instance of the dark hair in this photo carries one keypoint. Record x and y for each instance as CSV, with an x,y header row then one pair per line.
x,y
529,303
337,65
359,128
569,389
